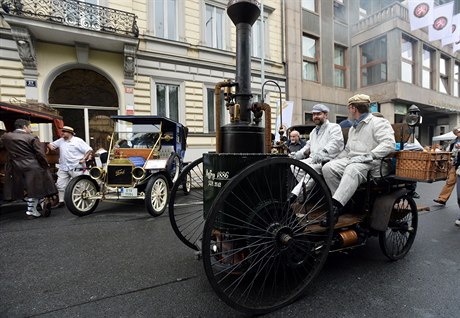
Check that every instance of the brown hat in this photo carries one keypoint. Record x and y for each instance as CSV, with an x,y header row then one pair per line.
x,y
359,98
68,129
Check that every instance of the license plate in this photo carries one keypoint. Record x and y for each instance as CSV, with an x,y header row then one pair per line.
x,y
128,192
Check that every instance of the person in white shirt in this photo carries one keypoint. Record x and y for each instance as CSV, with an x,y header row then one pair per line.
x,y
73,153
325,143
370,139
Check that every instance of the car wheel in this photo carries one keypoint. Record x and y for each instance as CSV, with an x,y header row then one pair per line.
x,y
173,167
156,195
78,196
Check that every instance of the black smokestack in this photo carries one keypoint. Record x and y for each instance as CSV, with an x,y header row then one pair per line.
x,y
243,14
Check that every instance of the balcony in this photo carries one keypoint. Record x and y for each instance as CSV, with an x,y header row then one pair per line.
x,y
71,21
393,11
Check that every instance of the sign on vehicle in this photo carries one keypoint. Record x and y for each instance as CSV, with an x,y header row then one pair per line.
x,y
128,192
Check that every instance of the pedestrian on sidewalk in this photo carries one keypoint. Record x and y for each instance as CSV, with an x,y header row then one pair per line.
x,y
446,191
27,170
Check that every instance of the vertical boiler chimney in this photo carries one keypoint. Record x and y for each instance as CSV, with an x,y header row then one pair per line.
x,y
241,136
243,14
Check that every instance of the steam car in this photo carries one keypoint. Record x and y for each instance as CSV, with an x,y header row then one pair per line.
x,y
144,160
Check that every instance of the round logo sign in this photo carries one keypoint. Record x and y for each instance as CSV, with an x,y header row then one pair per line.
x,y
440,23
421,10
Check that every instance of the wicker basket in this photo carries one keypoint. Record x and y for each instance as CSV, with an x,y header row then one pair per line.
x,y
423,166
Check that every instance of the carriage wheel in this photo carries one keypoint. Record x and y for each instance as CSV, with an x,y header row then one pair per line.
x,y
260,252
397,239
186,207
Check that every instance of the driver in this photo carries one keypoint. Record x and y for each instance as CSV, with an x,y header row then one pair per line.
x,y
325,143
370,139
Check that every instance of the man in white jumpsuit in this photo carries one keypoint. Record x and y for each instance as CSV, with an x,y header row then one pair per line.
x,y
369,139
324,144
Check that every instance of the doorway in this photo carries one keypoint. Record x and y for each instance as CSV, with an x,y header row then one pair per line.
x,y
86,100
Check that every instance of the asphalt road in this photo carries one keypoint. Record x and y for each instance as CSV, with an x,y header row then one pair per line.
x,y
121,262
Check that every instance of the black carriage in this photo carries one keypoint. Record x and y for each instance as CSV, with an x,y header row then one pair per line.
x,y
261,251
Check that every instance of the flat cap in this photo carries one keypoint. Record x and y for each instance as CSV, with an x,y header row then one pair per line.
x,y
359,98
456,129
68,129
318,108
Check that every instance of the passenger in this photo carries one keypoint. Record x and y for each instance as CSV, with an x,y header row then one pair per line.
x,y
324,144
369,139
73,153
27,169
447,189
295,143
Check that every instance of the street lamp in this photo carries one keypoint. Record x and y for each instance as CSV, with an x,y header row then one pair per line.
x,y
413,119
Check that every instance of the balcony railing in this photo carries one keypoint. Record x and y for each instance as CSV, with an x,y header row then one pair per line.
x,y
74,13
395,10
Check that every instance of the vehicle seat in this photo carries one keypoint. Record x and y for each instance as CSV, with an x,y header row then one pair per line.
x,y
137,161
166,151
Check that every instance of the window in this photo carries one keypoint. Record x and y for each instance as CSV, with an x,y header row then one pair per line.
x,y
339,66
256,40
339,10
427,68
374,62
308,118
165,18
339,119
456,79
214,27
364,9
443,75
407,61
310,60
211,113
309,5
167,98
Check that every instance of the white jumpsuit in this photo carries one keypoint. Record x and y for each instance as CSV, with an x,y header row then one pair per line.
x,y
328,138
373,136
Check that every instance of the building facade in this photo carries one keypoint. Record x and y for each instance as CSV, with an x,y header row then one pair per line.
x,y
367,46
96,58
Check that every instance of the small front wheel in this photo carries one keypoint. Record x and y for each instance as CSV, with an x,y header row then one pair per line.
x,y
78,196
396,240
156,195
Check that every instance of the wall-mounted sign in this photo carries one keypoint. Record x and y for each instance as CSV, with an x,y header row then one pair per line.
x,y
129,109
128,90
31,83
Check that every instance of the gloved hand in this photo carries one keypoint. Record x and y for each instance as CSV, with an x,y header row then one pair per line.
x,y
361,159
317,157
296,155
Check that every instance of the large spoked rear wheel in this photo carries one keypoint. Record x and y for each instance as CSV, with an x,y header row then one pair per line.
x,y
260,252
397,239
156,195
78,195
186,207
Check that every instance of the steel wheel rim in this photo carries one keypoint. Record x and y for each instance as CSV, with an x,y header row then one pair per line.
x,y
159,194
81,193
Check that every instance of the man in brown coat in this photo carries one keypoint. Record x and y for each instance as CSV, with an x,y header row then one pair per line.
x,y
27,169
